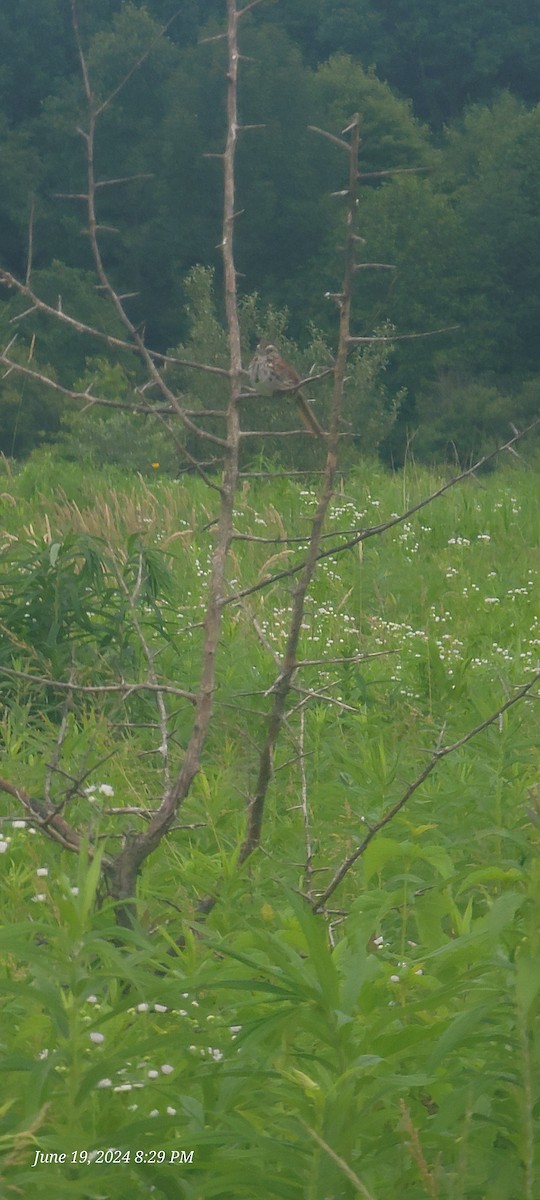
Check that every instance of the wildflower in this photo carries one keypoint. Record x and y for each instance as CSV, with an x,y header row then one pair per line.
x,y
171,1112
143,1007
97,1038
18,824
160,1008
3,847
104,1083
153,1074
166,1069
105,789
155,466
44,871
394,979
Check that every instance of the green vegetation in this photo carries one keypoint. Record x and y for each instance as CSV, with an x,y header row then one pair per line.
x,y
411,1049
451,90
269,800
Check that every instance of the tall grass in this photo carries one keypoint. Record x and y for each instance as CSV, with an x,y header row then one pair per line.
x,y
394,1053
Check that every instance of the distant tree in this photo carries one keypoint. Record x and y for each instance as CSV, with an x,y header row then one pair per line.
x,y
21,174
444,56
491,174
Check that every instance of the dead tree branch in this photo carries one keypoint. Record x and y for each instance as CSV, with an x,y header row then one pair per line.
x,y
436,757
123,875
125,689
284,681
375,530
10,281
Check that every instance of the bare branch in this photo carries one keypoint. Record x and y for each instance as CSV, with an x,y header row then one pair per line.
x,y
101,183
320,694
437,756
82,60
375,530
399,337
30,240
290,388
10,281
69,196
137,65
247,7
52,823
308,866
392,171
124,689
340,1162
375,267
351,658
183,450
284,681
123,876
173,406
343,145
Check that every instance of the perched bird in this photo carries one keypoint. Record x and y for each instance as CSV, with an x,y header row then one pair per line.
x,y
269,374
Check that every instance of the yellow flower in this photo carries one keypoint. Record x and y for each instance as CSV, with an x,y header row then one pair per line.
x,y
155,466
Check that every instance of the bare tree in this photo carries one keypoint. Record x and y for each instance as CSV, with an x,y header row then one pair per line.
x,y
173,782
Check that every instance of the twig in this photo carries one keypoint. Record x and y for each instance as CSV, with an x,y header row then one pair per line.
x,y
51,822
125,689
375,530
436,757
400,337
59,743
308,866
30,240
10,281
340,1162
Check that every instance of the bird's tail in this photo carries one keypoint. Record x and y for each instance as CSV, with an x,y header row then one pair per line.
x,y
310,421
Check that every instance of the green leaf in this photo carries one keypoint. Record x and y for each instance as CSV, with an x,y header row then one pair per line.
x,y
459,1032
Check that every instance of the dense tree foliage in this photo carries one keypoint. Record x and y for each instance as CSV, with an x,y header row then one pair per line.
x,y
462,233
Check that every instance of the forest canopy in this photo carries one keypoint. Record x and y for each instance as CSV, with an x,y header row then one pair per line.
x,y
449,99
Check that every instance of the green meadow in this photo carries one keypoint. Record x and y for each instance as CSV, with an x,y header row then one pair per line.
x,y
386,1048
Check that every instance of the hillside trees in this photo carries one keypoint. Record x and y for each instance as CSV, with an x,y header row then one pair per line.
x,y
442,57
457,249
491,174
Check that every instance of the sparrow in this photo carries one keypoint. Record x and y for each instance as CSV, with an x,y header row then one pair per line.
x,y
269,374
